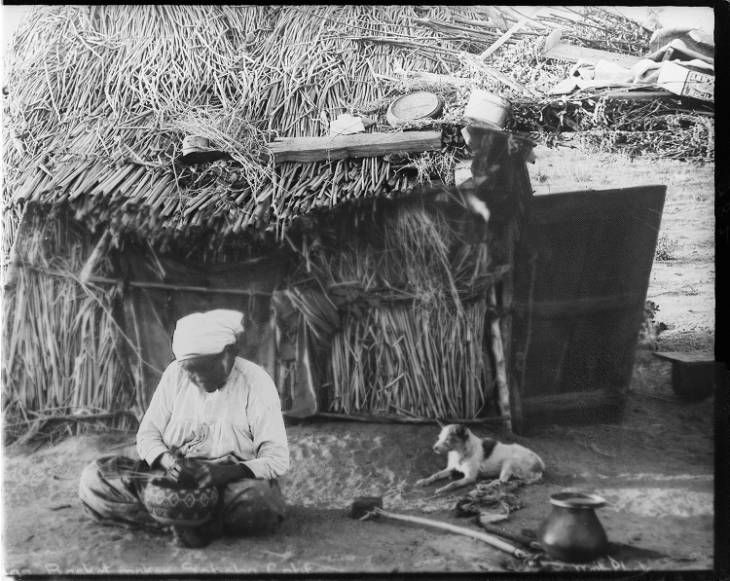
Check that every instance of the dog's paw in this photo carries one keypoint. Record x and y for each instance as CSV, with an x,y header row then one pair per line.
x,y
422,482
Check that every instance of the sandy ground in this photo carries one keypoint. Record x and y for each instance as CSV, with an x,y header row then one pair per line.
x,y
655,467
660,495
684,285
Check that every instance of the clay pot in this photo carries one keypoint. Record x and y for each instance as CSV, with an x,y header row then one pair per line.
x,y
179,506
572,531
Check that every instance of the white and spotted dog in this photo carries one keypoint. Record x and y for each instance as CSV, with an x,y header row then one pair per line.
x,y
473,457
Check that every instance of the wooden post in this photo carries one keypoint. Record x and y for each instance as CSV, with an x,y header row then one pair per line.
x,y
506,325
503,395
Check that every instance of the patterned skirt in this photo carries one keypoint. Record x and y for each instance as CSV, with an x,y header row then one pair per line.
x,y
112,489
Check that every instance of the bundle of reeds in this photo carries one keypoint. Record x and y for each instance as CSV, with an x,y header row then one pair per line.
x,y
429,364
61,345
411,338
100,105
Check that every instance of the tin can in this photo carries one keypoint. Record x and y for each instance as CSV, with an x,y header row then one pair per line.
x,y
487,108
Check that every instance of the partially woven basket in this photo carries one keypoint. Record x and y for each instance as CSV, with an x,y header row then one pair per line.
x,y
187,507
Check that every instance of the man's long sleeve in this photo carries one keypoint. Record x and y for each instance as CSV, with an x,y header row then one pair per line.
x,y
267,427
150,444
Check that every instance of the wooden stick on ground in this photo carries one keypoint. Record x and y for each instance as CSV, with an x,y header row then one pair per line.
x,y
491,540
528,542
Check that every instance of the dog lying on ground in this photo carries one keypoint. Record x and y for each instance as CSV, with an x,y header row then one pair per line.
x,y
473,457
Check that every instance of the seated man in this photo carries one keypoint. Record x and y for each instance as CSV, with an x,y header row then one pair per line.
x,y
211,407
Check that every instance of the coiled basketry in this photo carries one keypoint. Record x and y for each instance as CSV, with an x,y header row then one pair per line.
x,y
179,506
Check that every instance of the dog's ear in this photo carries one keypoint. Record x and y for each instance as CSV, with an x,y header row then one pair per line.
x,y
461,432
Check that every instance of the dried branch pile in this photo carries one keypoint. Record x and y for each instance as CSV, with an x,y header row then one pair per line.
x,y
62,351
100,98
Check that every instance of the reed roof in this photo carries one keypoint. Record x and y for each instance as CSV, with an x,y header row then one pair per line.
x,y
100,98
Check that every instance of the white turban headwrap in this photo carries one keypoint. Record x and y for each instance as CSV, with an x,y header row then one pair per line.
x,y
206,333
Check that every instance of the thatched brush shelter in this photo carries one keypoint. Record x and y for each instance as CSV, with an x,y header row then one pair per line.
x,y
370,284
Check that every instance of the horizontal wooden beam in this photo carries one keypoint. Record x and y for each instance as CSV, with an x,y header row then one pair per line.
x,y
399,419
581,306
686,356
178,287
309,149
572,402
145,284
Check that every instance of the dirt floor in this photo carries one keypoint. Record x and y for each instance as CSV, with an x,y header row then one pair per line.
x,y
655,467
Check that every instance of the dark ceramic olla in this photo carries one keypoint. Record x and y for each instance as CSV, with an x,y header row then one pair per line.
x,y
572,531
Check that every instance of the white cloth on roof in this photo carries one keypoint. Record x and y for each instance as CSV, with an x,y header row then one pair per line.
x,y
206,333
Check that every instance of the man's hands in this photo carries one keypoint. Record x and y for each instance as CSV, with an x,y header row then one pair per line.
x,y
195,473
188,474
222,474
184,473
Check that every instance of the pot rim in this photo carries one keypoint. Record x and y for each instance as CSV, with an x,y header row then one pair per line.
x,y
586,500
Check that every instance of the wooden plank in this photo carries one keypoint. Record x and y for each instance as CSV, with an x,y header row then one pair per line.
x,y
582,401
581,306
563,51
309,149
686,356
435,78
635,95
595,245
588,204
